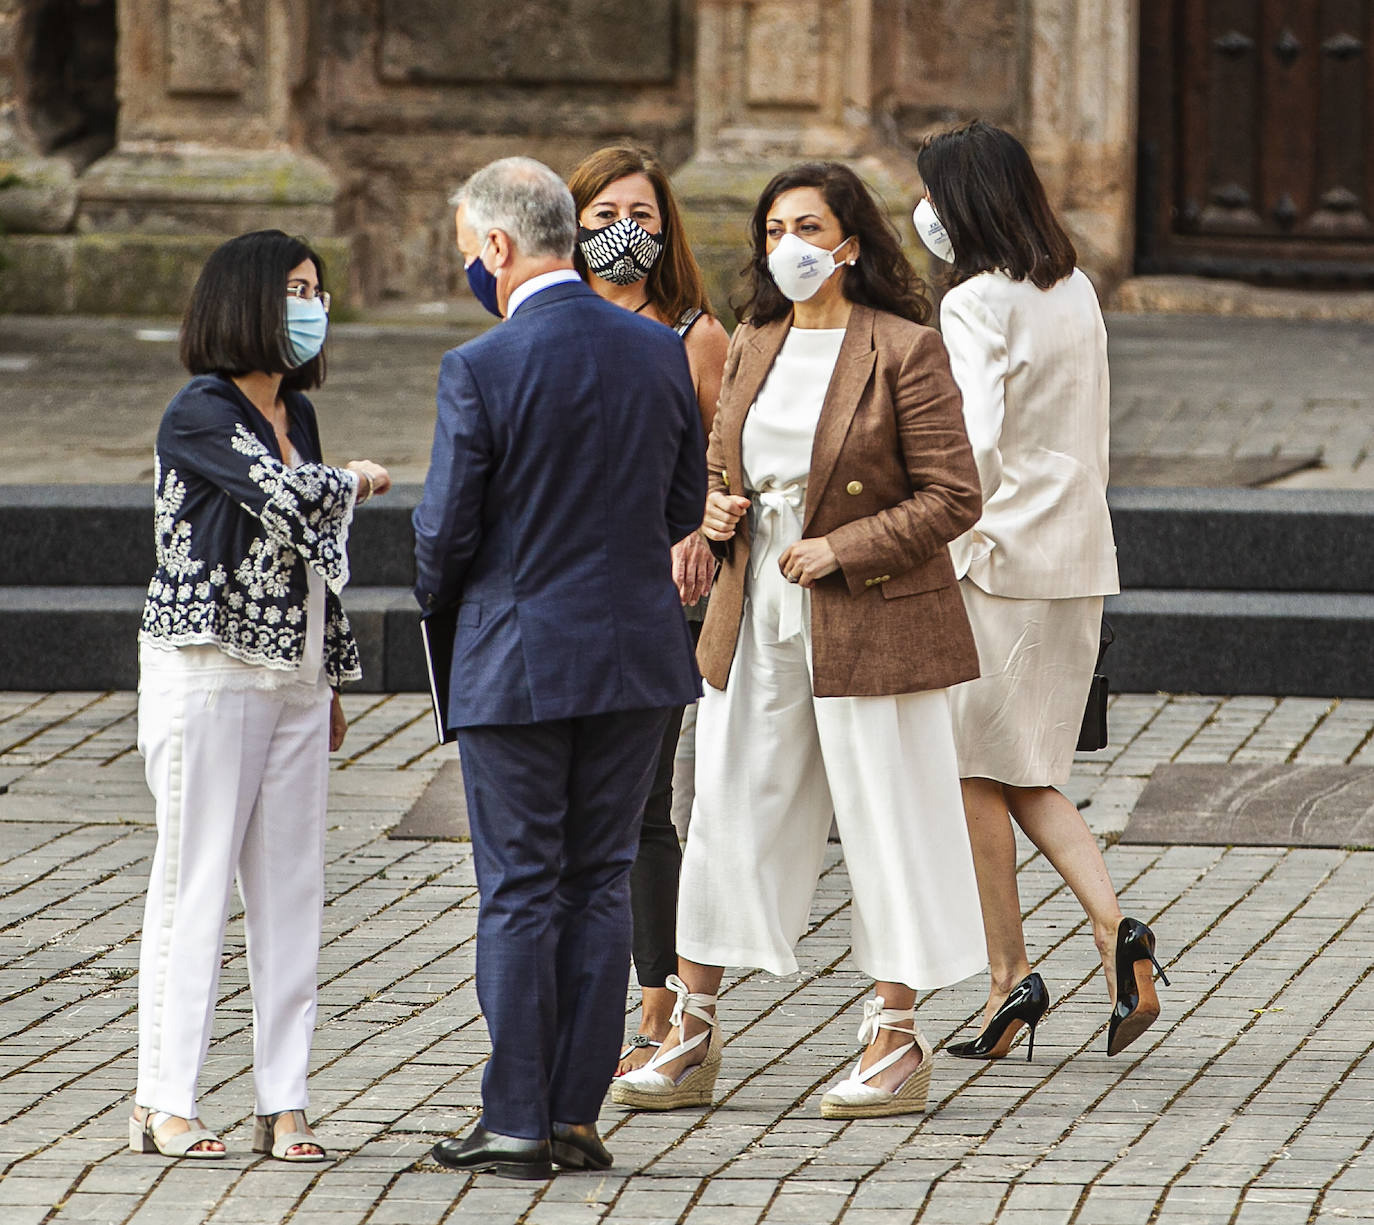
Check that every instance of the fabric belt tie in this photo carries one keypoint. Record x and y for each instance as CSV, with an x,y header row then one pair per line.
x,y
772,507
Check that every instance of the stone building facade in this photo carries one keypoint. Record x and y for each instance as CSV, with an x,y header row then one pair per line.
x,y
136,133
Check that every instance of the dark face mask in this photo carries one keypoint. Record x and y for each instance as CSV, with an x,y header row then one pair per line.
x,y
623,252
482,282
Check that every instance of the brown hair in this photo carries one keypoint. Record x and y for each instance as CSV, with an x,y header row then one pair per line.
x,y
993,206
674,284
882,278
235,322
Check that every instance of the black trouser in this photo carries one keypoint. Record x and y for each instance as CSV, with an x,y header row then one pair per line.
x,y
653,879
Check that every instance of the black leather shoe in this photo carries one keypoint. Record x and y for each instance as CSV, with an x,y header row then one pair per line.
x,y
1025,1005
1137,1002
577,1146
508,1156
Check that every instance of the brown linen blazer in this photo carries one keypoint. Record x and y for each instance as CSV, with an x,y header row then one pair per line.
x,y
892,482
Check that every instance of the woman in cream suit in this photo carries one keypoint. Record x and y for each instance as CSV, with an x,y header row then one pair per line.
x,y
1029,351
834,631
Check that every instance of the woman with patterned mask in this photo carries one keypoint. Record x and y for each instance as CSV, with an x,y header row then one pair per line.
x,y
632,250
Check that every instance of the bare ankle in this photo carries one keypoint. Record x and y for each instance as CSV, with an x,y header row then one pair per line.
x,y
1104,936
1000,982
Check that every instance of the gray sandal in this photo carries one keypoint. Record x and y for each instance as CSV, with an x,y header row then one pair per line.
x,y
143,1138
266,1140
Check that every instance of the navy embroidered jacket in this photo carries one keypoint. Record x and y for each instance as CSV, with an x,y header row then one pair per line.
x,y
236,527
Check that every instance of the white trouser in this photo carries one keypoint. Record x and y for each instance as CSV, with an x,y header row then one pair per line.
x,y
240,780
774,762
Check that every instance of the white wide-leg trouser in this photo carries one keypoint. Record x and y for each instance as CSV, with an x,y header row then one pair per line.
x,y
240,780
774,762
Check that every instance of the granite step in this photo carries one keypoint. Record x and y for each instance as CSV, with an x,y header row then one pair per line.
x,y
1224,590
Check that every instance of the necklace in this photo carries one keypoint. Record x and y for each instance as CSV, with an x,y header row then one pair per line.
x,y
641,306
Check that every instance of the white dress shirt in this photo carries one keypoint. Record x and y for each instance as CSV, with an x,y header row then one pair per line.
x,y
523,292
1032,366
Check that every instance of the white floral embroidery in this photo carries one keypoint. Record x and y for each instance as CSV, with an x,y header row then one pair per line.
x,y
251,604
266,571
173,538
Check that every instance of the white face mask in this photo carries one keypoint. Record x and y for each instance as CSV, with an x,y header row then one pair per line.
x,y
799,269
932,231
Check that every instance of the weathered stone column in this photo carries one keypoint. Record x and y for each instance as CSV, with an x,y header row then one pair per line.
x,y
37,193
1081,130
207,120
210,134
777,82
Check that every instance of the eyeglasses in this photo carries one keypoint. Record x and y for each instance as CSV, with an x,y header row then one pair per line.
x,y
296,290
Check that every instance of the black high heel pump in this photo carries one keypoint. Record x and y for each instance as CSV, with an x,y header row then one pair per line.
x,y
1027,1003
1137,1003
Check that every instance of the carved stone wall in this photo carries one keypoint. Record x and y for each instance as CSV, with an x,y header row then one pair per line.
x,y
945,60
1060,74
356,118
416,94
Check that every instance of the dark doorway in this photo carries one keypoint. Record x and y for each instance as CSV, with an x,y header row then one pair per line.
x,y
1257,140
68,90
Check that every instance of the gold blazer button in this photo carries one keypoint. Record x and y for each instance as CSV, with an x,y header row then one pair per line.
x,y
854,487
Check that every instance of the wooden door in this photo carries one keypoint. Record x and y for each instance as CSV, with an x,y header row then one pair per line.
x,y
1257,140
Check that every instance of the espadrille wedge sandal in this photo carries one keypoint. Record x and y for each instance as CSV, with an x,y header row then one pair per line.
x,y
854,1098
647,1088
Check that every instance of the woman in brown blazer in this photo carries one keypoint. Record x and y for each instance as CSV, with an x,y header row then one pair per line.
x,y
839,473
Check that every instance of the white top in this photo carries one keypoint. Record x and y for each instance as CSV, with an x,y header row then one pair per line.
x,y
204,666
527,289
781,424
776,453
1032,366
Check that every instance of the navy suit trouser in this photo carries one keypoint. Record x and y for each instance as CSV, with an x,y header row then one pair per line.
x,y
554,810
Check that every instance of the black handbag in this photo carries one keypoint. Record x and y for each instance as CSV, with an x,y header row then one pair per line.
x,y
1092,736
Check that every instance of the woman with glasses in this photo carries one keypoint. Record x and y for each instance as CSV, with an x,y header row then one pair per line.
x,y
633,251
242,648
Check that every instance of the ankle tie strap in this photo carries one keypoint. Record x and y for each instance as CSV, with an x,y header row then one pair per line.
x,y
877,1017
693,1005
689,1002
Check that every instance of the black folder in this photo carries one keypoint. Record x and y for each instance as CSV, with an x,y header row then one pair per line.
x,y
436,634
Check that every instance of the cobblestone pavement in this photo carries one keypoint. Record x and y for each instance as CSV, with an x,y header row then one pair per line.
x,y
80,399
1250,1102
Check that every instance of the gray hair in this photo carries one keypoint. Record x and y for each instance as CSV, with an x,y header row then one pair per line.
x,y
527,200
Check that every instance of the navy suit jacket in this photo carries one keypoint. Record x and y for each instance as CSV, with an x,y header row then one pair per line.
x,y
568,457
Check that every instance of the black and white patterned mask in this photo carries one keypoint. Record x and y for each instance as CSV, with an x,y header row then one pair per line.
x,y
623,252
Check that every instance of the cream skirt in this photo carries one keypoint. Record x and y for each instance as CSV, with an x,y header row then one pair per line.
x,y
1018,722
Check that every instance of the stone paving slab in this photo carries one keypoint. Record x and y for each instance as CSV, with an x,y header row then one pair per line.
x,y
81,397
1290,804
1252,1100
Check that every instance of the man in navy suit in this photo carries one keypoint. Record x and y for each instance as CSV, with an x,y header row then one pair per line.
x,y
567,460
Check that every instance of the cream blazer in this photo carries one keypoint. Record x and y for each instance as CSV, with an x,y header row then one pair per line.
x,y
1032,366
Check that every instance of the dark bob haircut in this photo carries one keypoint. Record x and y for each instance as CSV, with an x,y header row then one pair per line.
x,y
993,206
882,278
236,320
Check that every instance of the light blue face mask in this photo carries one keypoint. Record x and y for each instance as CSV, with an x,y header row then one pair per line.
x,y
306,325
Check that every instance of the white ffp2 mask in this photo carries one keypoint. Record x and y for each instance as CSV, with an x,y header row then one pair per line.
x,y
932,232
799,269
